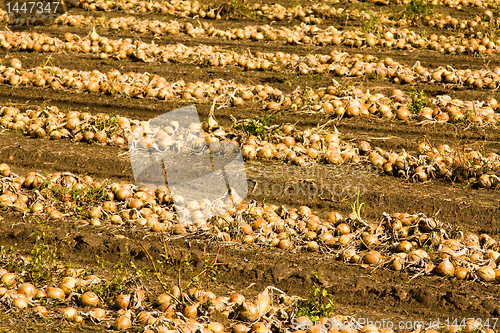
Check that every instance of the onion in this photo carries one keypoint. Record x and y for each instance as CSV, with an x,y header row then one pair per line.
x,y
191,311
304,211
40,294
163,299
95,212
216,327
372,258
123,194
93,35
237,298
20,302
69,313
416,255
109,205
342,229
263,302
265,152
37,207
370,240
241,328
89,298
313,246
486,273
41,311
68,284
135,203
5,170
364,147
56,215
16,63
397,264
249,152
101,137
55,293
98,313
122,301
345,239
123,323
462,273
145,317
285,244
403,246
27,289
248,312
9,279
334,217
472,326
445,268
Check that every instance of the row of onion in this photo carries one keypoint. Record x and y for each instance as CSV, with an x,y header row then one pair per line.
x,y
397,241
292,146
138,85
304,148
456,4
309,14
340,64
161,313
312,14
204,11
303,34
267,312
341,102
334,100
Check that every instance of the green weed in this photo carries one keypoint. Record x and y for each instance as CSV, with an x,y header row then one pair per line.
x,y
419,100
417,9
357,207
318,305
261,128
79,196
235,9
176,264
40,266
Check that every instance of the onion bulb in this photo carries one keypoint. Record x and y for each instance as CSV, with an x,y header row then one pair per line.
x,y
123,194
486,273
68,284
445,268
98,313
372,258
89,298
15,63
41,311
9,279
263,302
163,298
248,312
55,293
462,273
216,327
241,328
237,298
191,311
20,302
122,301
27,289
123,323
342,229
69,313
